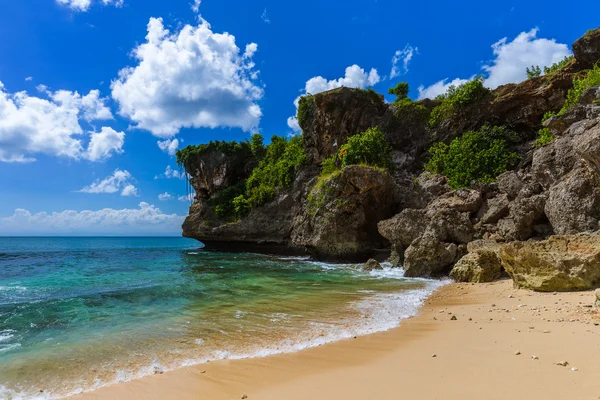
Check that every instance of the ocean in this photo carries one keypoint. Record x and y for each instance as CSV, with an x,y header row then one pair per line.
x,y
81,313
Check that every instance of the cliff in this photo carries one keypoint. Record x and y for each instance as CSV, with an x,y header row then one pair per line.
x,y
551,184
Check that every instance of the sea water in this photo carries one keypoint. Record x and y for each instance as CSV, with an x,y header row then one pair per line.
x,y
81,313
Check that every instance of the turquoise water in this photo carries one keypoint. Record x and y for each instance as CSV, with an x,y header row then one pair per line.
x,y
79,313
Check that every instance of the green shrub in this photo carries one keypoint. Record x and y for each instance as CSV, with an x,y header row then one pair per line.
x,y
548,115
189,155
306,106
222,202
475,156
274,172
400,90
533,72
407,111
369,147
456,98
580,85
257,146
554,68
544,137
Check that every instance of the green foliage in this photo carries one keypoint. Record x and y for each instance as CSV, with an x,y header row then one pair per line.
x,y
369,147
544,137
257,146
458,97
274,172
407,112
306,106
554,68
475,156
548,115
580,85
534,72
222,202
191,154
400,90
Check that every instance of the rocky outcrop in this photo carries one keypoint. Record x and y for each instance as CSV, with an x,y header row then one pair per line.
x,y
479,266
587,49
336,115
372,265
339,216
561,263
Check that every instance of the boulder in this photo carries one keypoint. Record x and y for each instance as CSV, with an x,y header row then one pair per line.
x,y
338,219
587,49
561,263
372,265
479,266
495,209
428,256
405,227
524,214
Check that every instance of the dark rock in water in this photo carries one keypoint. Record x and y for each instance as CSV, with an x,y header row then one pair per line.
x,y
587,49
561,263
339,217
372,265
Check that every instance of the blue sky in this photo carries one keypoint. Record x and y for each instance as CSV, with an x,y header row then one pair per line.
x,y
90,87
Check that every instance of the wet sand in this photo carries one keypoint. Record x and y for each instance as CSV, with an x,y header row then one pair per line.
x,y
504,344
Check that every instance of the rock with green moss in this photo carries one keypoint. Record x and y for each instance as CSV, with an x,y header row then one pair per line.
x,y
339,217
561,263
372,265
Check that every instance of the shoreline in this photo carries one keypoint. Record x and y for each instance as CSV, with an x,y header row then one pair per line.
x,y
474,356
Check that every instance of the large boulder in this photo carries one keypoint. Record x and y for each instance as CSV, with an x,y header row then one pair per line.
x,y
428,256
479,266
333,116
561,263
339,217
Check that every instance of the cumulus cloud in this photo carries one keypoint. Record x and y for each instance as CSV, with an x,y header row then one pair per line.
x,y
510,62
401,60
355,77
512,58
32,125
104,143
196,5
190,78
84,5
169,146
170,173
165,196
147,219
120,180
440,87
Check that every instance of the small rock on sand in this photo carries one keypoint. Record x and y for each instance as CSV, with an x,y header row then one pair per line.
x,y
517,353
244,396
597,297
535,358
574,369
453,318
434,355
562,363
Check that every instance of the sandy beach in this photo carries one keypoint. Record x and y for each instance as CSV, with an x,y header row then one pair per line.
x,y
484,341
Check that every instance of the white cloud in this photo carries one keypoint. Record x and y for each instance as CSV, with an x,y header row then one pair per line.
x,y
187,199
120,180
169,146
190,78
196,5
510,62
84,5
165,196
513,58
105,142
29,79
32,125
147,220
265,17
401,60
170,173
440,87
355,77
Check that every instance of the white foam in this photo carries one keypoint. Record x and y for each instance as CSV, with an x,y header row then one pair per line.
x,y
8,347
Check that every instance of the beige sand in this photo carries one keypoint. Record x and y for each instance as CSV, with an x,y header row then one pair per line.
x,y
474,356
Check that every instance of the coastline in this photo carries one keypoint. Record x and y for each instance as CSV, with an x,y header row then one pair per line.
x,y
474,358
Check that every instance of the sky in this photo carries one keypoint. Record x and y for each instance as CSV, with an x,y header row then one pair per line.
x,y
96,96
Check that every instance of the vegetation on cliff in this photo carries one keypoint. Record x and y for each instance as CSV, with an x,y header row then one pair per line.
x,y
535,70
367,148
475,156
456,98
580,85
190,155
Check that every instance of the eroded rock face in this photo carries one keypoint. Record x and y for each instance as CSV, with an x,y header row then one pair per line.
x,y
587,49
561,263
335,116
428,256
339,218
